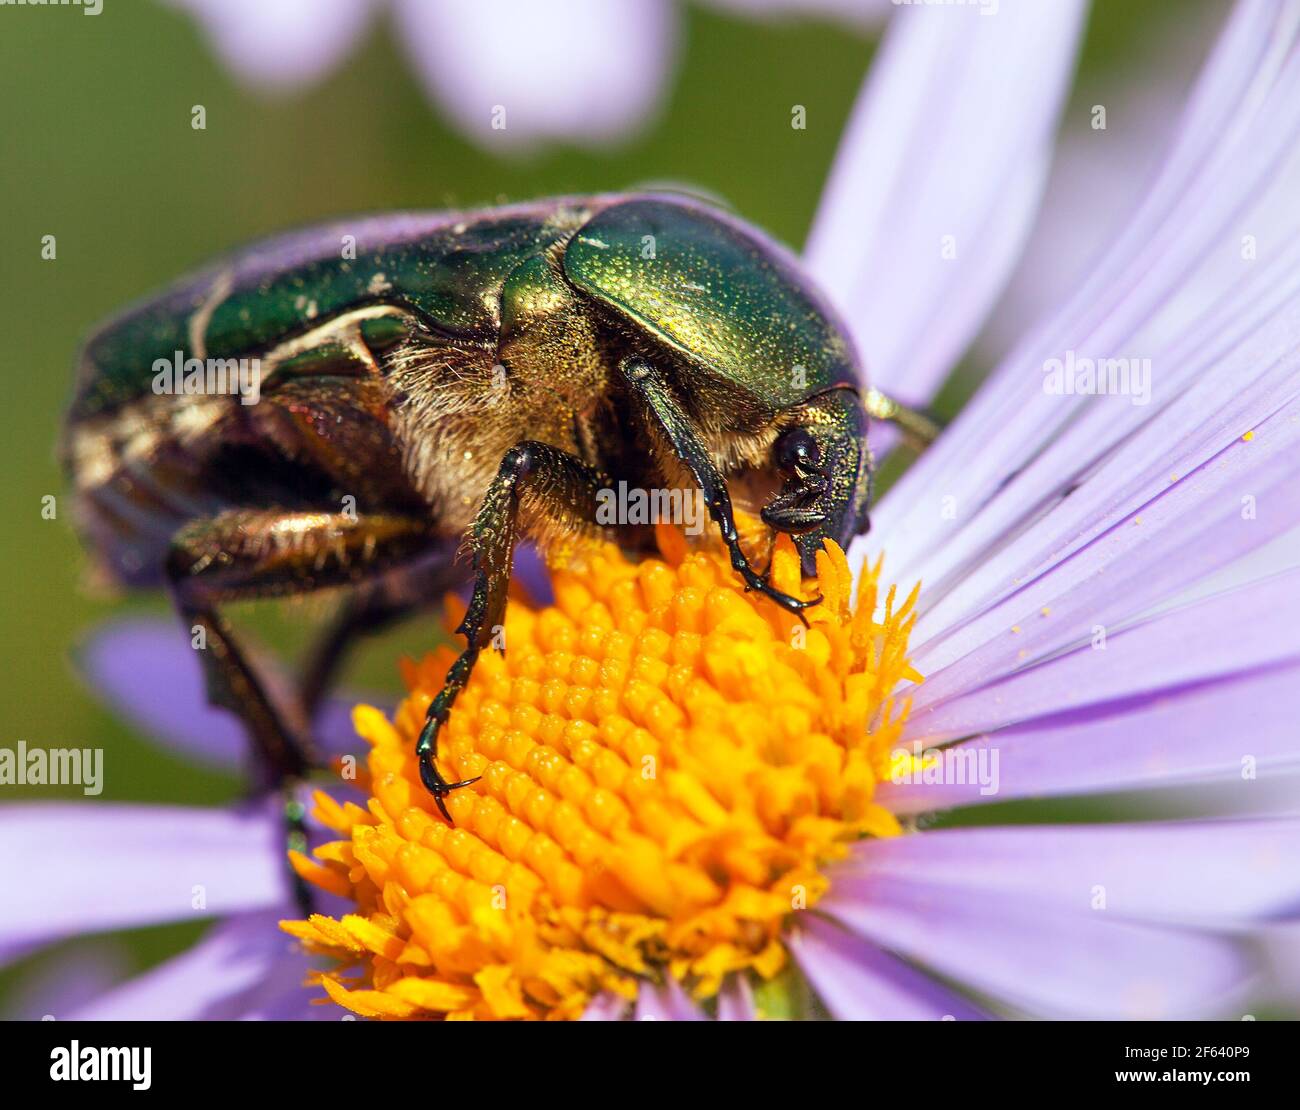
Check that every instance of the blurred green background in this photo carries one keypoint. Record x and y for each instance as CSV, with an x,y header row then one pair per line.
x,y
98,150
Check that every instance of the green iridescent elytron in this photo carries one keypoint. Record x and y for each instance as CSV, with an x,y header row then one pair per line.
x,y
435,381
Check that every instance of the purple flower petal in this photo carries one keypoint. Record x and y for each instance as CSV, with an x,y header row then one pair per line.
x,y
1139,554
245,969
1181,287
60,986
1226,635
665,1002
1040,958
1220,874
149,674
859,982
511,74
85,868
531,571
606,1007
284,44
922,160
1237,731
736,1000
669,1003
1100,174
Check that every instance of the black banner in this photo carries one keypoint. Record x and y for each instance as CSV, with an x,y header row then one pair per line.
x,y
358,1058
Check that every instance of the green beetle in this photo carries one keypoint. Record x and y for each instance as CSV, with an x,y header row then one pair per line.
x,y
412,384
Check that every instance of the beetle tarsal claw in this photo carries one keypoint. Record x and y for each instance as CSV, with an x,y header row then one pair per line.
x,y
437,785
800,606
791,604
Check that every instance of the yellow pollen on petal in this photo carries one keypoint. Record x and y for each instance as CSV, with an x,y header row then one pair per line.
x,y
668,765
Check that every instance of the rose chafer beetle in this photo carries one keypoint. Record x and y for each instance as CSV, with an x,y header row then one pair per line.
x,y
435,382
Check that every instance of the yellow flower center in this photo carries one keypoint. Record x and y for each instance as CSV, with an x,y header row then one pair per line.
x,y
668,763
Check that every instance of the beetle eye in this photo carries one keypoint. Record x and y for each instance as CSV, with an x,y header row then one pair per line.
x,y
797,450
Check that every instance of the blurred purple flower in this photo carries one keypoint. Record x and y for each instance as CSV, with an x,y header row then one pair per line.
x,y
1099,610
132,660
511,74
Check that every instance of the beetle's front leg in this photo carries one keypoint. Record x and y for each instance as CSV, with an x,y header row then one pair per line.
x,y
686,445
561,489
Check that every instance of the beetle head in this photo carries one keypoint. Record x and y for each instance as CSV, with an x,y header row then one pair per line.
x,y
822,455
752,334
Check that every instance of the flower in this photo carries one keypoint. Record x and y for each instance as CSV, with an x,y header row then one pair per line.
x,y
667,766
510,74
1108,604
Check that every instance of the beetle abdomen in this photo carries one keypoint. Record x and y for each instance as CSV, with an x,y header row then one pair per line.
x,y
314,444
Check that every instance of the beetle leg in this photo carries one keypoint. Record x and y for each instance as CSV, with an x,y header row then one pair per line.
x,y
562,490
686,445
919,431
250,554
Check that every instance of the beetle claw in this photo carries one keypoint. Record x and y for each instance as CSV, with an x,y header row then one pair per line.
x,y
791,604
438,786
797,607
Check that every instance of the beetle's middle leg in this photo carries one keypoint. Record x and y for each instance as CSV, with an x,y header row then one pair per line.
x,y
561,490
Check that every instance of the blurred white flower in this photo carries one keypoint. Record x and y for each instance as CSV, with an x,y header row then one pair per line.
x,y
510,74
